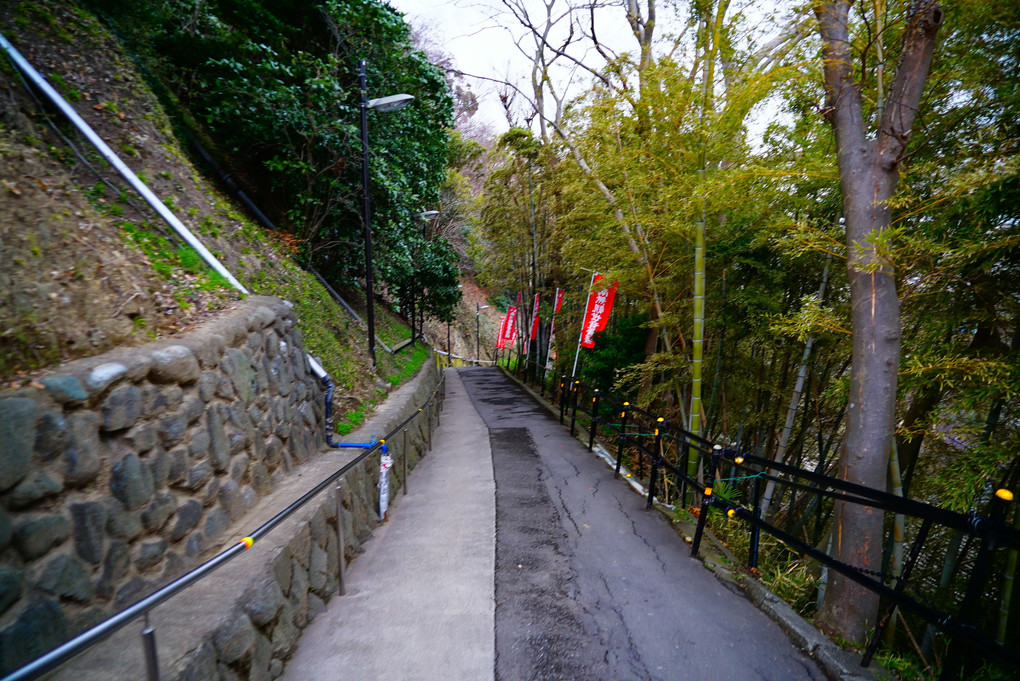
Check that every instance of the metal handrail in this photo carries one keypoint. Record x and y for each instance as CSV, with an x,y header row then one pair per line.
x,y
990,529
89,638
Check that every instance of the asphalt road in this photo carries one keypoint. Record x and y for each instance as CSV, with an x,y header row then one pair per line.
x,y
589,584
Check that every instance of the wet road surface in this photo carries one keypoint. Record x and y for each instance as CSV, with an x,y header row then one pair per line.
x,y
589,584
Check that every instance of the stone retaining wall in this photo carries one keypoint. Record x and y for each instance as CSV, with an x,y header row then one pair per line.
x,y
279,590
119,472
243,620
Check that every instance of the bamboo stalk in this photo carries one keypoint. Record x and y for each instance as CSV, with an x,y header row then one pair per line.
x,y
713,399
798,389
698,335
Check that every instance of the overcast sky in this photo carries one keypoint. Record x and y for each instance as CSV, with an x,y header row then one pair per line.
x,y
480,36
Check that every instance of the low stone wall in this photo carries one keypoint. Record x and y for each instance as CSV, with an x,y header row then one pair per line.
x,y
244,620
273,594
119,472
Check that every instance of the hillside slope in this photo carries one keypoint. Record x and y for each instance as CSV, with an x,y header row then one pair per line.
x,y
86,263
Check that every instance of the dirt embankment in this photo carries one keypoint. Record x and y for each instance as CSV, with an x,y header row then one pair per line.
x,y
86,265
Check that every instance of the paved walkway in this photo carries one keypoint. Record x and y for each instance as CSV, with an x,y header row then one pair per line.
x,y
419,601
516,555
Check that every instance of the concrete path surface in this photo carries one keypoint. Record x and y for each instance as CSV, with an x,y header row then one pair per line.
x,y
517,556
419,601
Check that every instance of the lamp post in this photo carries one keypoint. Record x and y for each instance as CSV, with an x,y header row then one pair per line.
x,y
383,104
478,330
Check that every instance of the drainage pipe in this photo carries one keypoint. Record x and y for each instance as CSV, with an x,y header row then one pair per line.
x,y
119,165
338,298
329,424
228,180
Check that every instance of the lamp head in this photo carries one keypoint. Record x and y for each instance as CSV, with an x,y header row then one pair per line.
x,y
391,103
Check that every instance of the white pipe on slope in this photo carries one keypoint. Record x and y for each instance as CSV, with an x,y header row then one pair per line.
x,y
37,79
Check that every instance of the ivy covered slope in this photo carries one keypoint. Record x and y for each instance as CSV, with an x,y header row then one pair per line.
x,y
90,266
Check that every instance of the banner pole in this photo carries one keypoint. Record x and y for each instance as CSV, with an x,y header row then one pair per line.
x,y
552,334
580,335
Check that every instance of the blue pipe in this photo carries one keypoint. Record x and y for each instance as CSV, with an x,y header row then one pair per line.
x,y
326,381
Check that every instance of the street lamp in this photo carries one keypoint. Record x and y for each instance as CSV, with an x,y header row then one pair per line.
x,y
478,330
383,104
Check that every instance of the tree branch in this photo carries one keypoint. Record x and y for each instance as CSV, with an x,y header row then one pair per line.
x,y
923,22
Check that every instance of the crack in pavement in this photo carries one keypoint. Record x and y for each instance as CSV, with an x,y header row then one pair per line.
x,y
566,511
634,529
633,653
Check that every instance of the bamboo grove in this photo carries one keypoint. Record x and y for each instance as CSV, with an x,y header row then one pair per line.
x,y
708,160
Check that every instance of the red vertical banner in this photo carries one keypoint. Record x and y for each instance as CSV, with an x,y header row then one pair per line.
x,y
534,319
551,352
500,343
600,304
509,331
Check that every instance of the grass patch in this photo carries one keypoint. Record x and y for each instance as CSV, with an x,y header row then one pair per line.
x,y
351,420
165,258
781,571
406,364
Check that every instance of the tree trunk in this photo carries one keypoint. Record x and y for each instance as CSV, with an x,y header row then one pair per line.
x,y
869,173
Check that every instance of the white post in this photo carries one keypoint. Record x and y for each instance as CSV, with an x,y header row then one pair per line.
x,y
580,336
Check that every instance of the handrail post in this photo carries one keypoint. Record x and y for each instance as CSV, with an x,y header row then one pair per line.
x,y
428,427
623,433
563,392
573,413
594,419
149,646
752,549
986,529
706,500
341,560
404,451
656,460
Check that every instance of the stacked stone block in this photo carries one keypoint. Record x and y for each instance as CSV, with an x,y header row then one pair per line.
x,y
119,472
272,600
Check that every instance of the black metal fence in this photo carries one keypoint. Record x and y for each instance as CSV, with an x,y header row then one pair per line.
x,y
680,467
